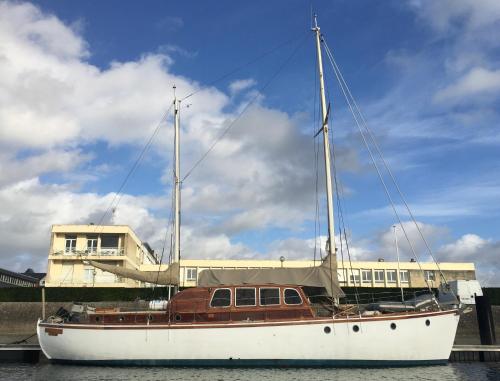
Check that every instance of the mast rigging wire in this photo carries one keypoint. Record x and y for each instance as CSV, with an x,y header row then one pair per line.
x,y
342,84
247,106
118,195
340,213
386,166
239,68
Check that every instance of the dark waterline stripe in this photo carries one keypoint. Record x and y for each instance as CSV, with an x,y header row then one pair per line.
x,y
264,363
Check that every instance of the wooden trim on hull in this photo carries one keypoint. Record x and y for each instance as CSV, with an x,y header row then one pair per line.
x,y
199,325
258,363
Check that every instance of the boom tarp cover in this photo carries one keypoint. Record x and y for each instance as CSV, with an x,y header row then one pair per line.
x,y
324,275
170,276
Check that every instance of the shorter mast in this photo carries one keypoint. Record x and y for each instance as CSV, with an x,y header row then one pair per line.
x,y
326,147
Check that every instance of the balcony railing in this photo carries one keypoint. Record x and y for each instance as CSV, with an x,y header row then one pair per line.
x,y
103,251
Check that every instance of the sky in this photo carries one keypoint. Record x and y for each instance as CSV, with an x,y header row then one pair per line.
x,y
84,84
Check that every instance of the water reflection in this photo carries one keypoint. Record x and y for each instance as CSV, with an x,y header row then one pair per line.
x,y
50,372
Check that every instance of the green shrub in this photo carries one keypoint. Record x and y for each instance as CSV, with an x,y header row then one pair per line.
x,y
101,294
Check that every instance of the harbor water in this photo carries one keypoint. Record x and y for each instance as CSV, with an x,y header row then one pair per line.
x,y
52,372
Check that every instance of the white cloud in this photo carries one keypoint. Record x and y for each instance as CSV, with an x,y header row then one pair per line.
x,y
463,247
29,208
433,234
446,14
241,84
174,49
52,161
196,244
476,82
51,96
52,101
26,23
485,253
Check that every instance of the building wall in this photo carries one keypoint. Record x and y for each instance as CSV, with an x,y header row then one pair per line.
x,y
67,269
415,273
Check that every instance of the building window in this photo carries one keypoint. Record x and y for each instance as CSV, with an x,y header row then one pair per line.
x,y
404,276
354,276
191,274
269,296
70,243
91,243
392,276
105,277
366,276
292,296
342,274
221,298
429,275
67,273
245,297
109,244
88,275
379,276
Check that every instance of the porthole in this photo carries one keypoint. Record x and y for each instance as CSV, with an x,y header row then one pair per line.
x,y
393,325
427,322
97,318
355,328
327,329
177,317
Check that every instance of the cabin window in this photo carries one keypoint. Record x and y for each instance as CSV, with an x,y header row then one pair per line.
x,y
269,296
245,297
221,298
292,296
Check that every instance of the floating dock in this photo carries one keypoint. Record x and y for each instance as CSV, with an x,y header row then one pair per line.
x,y
20,353
473,353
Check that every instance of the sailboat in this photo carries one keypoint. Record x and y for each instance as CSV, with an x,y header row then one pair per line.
x,y
260,317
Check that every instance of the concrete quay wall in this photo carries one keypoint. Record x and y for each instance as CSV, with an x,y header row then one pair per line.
x,y
18,319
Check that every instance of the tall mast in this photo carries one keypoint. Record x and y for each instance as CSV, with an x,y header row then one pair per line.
x,y
177,183
326,145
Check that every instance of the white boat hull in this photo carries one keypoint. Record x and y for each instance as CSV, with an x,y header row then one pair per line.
x,y
412,341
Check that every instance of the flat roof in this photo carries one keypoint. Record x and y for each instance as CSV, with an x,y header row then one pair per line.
x,y
242,263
